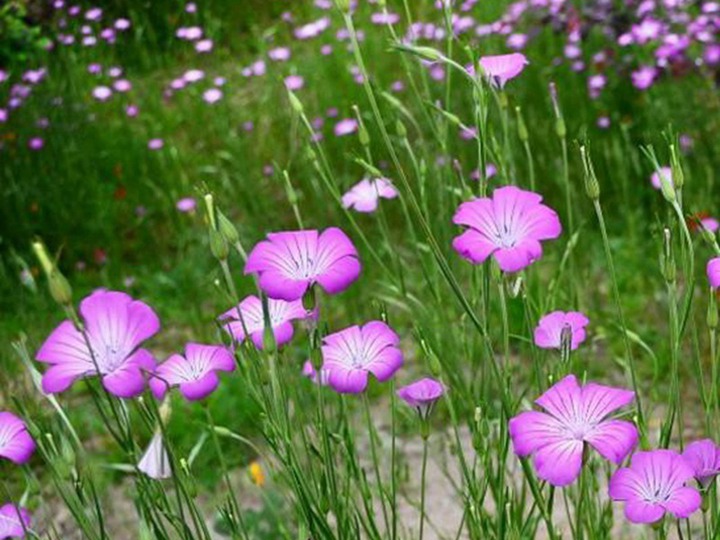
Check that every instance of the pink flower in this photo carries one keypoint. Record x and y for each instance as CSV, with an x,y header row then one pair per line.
x,y
281,315
186,204
309,371
548,333
351,354
713,272
364,195
704,459
13,521
501,68
653,484
575,416
346,127
155,462
663,173
36,143
509,226
155,144
122,24
102,93
279,54
212,95
193,75
122,85
385,18
204,46
644,77
16,444
422,395
289,263
195,373
132,111
294,82
115,325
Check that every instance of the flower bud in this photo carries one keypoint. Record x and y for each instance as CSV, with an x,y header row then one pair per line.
x,y
560,129
295,103
592,187
678,177
522,128
218,245
227,229
712,313
667,261
435,366
210,210
400,129
59,287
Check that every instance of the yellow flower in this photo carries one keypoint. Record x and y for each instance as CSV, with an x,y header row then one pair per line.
x,y
256,474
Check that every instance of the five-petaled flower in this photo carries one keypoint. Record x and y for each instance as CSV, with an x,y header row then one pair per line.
x,y
289,263
248,316
115,326
350,355
575,416
509,226
704,459
16,444
14,521
653,484
499,69
549,331
195,373
713,272
364,195
422,395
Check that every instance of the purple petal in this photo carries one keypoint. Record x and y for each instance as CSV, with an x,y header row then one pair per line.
x,y
559,462
16,444
562,400
532,430
598,401
614,439
474,246
639,511
201,388
348,381
128,380
683,502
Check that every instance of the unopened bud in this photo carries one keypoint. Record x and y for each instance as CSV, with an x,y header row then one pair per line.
x,y
218,245
227,229
560,129
522,128
343,5
592,187
210,210
59,287
295,102
712,314
678,177
400,129
435,366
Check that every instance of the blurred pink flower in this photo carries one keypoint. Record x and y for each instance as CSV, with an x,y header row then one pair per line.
x,y
294,82
186,204
364,195
212,95
102,93
346,126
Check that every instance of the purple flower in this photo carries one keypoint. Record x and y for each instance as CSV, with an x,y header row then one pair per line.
x,y
364,195
155,462
193,75
281,314
16,444
509,226
385,18
212,95
122,85
36,143
155,144
279,54
421,395
13,521
644,77
345,127
704,459
186,204
102,93
548,333
351,354
204,46
713,272
309,371
294,82
653,484
501,68
575,416
115,325
288,263
663,173
195,373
